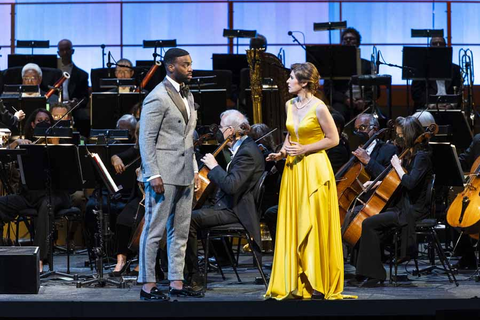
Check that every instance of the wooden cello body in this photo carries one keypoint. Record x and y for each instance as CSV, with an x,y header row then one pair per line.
x,y
350,179
382,195
464,211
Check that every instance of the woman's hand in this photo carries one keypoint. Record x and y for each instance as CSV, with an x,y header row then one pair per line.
x,y
295,149
395,161
369,183
117,163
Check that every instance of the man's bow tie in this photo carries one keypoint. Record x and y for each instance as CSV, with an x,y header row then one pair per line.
x,y
184,90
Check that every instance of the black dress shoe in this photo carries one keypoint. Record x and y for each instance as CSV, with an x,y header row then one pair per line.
x,y
186,292
154,295
365,282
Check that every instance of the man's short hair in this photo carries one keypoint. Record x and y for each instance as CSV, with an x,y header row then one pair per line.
x,y
31,66
172,54
355,32
59,105
128,118
122,62
235,119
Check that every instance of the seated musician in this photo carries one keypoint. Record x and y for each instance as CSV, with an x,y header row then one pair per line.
x,y
465,248
124,70
410,205
339,154
32,75
234,200
378,154
60,109
128,122
341,91
12,204
437,87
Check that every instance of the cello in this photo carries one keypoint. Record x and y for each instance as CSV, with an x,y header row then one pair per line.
x,y
382,194
464,211
350,179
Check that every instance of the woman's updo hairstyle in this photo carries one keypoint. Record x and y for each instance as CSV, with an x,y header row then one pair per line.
x,y
307,72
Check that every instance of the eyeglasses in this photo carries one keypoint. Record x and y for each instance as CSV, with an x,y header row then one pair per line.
x,y
361,128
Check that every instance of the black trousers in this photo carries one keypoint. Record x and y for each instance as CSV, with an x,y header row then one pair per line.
x,y
202,219
369,262
12,205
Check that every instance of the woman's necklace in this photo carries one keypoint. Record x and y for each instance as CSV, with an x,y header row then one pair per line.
x,y
304,104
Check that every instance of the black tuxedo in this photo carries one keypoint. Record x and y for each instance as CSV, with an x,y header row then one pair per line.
x,y
78,85
419,90
234,202
380,158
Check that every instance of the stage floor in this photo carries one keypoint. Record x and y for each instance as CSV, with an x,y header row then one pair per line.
x,y
429,296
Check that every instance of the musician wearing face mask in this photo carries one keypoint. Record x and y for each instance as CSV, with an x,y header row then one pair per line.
x,y
410,205
234,201
376,157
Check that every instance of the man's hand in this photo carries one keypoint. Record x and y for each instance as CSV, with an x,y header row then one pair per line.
x,y
20,115
210,161
196,181
157,185
361,155
117,163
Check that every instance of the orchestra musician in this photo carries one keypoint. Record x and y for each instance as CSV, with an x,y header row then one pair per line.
x,y
13,204
378,154
341,93
404,211
74,88
32,75
339,154
437,87
234,202
169,170
124,70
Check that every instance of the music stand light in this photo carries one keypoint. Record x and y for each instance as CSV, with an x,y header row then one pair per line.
x,y
33,44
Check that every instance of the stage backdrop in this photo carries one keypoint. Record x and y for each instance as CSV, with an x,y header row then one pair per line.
x,y
198,26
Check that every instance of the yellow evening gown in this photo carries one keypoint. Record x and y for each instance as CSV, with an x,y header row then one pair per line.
x,y
308,247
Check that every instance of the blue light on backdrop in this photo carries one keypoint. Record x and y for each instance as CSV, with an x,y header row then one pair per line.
x,y
198,27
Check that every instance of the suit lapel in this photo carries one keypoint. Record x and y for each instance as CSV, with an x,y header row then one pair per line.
x,y
176,99
192,109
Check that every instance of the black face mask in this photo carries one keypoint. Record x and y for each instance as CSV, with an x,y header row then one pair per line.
x,y
400,142
219,137
362,136
43,124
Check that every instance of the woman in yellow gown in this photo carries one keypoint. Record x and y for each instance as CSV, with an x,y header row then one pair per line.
x,y
308,260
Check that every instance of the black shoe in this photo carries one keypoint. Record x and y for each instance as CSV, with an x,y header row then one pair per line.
x,y
186,292
116,274
365,282
318,296
154,295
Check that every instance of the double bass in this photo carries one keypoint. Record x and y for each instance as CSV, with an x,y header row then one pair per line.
x,y
464,211
382,194
350,179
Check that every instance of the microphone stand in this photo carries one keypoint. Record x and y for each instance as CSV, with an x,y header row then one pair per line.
x,y
103,55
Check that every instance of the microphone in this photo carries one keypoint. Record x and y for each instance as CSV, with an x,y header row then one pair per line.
x,y
290,33
109,63
378,62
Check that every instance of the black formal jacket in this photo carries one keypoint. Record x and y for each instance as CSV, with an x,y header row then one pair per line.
x,y
339,155
380,158
413,203
341,87
471,154
236,186
419,90
78,84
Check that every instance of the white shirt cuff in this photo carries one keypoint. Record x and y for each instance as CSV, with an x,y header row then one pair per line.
x,y
153,177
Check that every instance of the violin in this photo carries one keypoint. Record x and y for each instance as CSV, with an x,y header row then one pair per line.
x,y
464,211
383,193
350,179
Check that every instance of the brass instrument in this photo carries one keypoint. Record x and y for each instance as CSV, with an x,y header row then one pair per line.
x,y
57,86
148,76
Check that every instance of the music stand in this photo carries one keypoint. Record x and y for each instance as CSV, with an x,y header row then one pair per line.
x,y
237,33
47,168
447,168
42,60
16,102
107,107
233,62
159,44
454,127
427,63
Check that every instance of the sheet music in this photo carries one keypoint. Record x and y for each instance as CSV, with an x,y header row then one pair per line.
x,y
105,172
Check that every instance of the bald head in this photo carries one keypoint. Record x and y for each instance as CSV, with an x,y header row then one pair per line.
x,y
65,51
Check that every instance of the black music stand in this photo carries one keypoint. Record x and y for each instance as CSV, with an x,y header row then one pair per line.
x,y
14,102
237,33
453,128
42,60
446,166
45,167
162,44
107,107
430,63
104,179
233,62
335,62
